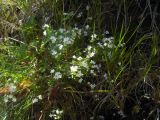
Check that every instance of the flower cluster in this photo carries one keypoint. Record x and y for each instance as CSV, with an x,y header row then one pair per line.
x,y
9,97
60,39
56,114
39,97
57,75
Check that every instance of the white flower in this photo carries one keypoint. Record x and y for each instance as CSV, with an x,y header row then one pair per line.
x,y
12,88
60,46
107,32
89,48
85,33
79,74
52,71
87,7
80,80
74,68
110,45
92,72
92,86
53,39
92,62
87,27
74,57
105,76
91,54
6,99
79,15
39,97
59,111
44,33
51,115
34,100
10,96
57,75
53,52
46,26
100,45
79,58
95,66
67,40
121,113
79,31
119,63
93,36
84,64
14,99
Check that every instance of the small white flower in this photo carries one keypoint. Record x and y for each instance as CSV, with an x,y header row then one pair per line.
x,y
95,66
74,68
53,111
87,7
39,97
45,33
6,99
92,62
80,80
79,31
105,76
89,48
52,71
53,39
92,72
119,63
57,75
46,26
79,58
121,113
87,27
79,74
84,64
91,54
10,96
34,100
74,57
100,45
51,115
79,15
107,32
14,99
93,36
12,88
110,45
67,41
59,111
60,46
53,52
92,86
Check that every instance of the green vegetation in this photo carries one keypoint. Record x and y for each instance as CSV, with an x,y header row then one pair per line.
x,y
85,60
